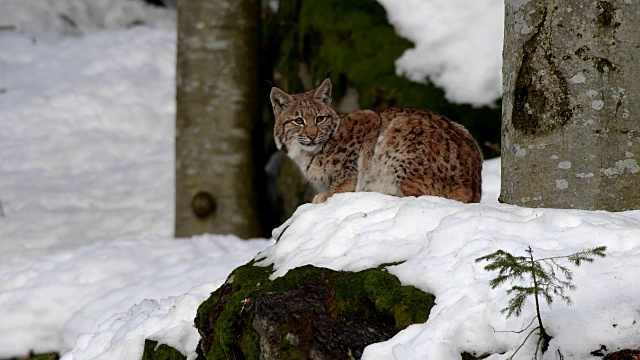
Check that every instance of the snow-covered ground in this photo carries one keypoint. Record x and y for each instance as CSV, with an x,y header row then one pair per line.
x,y
438,240
88,265
86,182
86,185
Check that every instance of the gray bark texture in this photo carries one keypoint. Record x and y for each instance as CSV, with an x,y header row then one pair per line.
x,y
217,109
571,104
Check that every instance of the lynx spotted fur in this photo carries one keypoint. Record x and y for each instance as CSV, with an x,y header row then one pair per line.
x,y
399,151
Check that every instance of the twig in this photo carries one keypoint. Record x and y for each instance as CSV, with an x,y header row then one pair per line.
x,y
521,345
535,353
513,331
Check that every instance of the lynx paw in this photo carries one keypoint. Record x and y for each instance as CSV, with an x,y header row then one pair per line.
x,y
320,198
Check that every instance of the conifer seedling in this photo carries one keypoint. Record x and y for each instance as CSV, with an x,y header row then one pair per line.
x,y
543,282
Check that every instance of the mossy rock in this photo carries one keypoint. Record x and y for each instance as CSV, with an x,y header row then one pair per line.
x,y
469,356
153,351
48,356
251,314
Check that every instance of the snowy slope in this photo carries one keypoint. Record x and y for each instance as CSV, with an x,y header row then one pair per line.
x,y
86,185
86,138
81,17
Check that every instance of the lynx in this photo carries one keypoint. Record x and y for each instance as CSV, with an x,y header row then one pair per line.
x,y
399,151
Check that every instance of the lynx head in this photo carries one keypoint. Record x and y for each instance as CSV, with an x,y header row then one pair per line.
x,y
304,122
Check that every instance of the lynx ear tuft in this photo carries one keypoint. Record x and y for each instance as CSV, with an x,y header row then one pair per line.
x,y
323,92
280,100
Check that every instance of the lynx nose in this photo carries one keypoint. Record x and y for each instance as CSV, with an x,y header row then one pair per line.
x,y
312,134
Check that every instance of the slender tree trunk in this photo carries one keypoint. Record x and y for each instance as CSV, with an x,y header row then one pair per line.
x,y
571,104
217,109
544,336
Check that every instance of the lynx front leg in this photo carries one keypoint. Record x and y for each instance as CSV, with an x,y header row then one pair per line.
x,y
349,186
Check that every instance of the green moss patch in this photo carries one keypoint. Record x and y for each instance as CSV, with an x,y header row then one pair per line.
x,y
153,351
225,320
49,356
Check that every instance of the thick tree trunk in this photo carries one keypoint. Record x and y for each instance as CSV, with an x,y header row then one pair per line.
x,y
571,105
217,109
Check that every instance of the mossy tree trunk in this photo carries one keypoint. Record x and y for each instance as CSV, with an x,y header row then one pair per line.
x,y
571,105
217,109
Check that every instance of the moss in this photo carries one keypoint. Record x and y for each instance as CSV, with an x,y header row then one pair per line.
x,y
287,347
241,286
250,343
405,304
49,356
223,320
153,351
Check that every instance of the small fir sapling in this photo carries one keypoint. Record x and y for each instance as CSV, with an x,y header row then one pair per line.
x,y
544,282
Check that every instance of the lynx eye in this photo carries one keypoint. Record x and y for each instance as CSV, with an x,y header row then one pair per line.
x,y
321,118
298,121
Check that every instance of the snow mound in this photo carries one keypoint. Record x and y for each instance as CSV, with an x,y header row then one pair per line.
x,y
169,320
437,241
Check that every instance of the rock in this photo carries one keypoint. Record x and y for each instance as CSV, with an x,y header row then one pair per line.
x,y
298,320
310,313
626,354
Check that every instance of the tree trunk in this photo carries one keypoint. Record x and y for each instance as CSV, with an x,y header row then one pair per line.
x,y
217,109
571,104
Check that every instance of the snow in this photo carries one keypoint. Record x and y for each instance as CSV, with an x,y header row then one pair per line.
x,y
88,264
87,164
458,46
85,138
108,287
437,240
78,17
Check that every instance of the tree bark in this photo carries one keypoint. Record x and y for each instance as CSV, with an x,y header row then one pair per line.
x,y
217,109
571,104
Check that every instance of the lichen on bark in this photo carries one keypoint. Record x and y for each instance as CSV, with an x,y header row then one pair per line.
x,y
571,96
